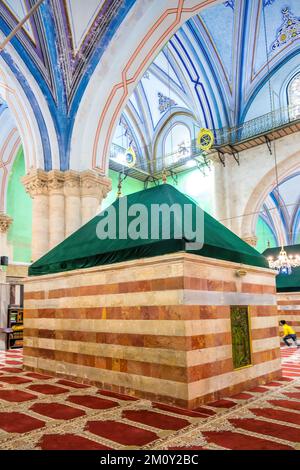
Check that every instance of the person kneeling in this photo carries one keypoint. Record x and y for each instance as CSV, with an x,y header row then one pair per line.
x,y
288,333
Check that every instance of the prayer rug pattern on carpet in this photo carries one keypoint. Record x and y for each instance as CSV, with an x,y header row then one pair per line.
x,y
38,411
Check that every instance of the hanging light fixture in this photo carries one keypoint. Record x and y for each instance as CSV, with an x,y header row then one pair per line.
x,y
283,264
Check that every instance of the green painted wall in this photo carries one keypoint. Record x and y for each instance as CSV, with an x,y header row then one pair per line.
x,y
264,235
192,183
197,186
19,207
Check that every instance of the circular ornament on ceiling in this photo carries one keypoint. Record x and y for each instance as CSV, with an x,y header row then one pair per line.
x,y
205,139
130,157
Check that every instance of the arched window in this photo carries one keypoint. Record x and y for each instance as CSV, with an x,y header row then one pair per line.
x,y
294,97
177,144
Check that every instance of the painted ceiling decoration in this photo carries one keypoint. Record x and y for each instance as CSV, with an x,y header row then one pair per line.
x,y
216,75
289,30
30,42
69,32
61,44
164,103
220,82
231,3
281,211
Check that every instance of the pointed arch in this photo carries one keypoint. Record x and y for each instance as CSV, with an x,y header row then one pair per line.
x,y
263,189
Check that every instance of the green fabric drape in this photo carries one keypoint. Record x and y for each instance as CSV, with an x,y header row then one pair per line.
x,y
83,249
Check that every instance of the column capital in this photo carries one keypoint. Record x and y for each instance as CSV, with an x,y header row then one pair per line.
x,y
56,181
94,185
5,222
72,183
36,182
250,239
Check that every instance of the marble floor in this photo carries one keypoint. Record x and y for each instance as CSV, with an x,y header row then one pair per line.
x,y
42,412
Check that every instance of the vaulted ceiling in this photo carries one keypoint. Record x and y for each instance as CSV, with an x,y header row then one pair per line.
x,y
61,44
281,212
63,41
217,67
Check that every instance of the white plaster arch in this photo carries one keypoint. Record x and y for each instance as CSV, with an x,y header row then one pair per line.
x,y
142,34
264,187
13,93
9,148
283,93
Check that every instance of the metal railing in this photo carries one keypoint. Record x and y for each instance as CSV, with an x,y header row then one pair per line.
x,y
257,126
174,160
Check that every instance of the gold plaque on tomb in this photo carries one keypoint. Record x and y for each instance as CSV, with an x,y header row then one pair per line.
x,y
241,336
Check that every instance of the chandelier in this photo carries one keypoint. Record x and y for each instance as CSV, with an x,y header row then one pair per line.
x,y
283,264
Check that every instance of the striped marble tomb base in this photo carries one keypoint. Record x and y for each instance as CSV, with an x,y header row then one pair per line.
x,y
289,309
157,328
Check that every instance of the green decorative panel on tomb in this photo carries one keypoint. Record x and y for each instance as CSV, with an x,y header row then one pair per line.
x,y
240,332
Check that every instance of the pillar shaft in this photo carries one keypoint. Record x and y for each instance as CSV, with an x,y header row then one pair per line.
x,y
56,208
89,206
220,206
94,189
62,202
72,202
36,184
40,225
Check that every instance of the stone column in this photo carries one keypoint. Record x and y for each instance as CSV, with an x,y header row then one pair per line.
x,y
220,193
5,222
72,202
62,202
56,207
36,184
94,189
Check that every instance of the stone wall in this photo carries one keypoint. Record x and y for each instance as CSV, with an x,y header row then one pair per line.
x,y
289,309
240,190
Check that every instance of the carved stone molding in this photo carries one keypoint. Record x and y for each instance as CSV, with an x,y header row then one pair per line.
x,y
56,181
5,222
251,240
94,185
72,183
36,183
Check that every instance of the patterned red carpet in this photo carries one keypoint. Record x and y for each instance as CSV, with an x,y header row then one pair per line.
x,y
42,412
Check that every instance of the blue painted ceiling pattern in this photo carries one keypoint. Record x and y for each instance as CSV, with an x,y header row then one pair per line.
x,y
61,45
217,67
281,211
214,68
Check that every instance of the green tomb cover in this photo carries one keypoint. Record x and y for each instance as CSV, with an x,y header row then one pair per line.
x,y
83,249
286,282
